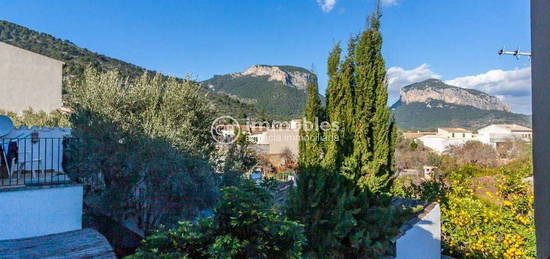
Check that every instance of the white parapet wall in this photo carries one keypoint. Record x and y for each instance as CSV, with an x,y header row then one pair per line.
x,y
41,210
422,238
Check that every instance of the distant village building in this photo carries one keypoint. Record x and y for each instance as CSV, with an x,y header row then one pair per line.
x,y
500,133
446,137
415,135
491,135
29,80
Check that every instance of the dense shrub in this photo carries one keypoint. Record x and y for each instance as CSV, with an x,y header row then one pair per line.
x,y
490,220
244,225
475,228
141,148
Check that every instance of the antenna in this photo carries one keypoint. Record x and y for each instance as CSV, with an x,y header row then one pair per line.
x,y
516,53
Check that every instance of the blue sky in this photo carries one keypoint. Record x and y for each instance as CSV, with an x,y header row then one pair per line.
x,y
455,41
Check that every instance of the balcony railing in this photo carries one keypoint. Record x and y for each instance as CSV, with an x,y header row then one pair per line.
x,y
31,161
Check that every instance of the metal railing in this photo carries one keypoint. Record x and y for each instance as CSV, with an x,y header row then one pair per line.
x,y
31,161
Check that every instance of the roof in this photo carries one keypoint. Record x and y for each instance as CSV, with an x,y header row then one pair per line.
x,y
456,130
513,127
414,135
84,243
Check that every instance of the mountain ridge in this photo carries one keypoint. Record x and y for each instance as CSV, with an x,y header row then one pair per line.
x,y
431,104
77,59
279,90
437,90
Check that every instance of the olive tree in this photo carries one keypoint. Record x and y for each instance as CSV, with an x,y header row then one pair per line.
x,y
141,147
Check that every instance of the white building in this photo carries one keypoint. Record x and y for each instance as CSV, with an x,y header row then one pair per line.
x,y
446,137
29,80
499,133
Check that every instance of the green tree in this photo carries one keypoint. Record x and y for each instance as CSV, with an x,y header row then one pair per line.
x,y
244,225
344,201
310,136
375,130
142,148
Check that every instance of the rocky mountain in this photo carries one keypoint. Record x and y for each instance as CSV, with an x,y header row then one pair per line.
x,y
77,58
430,104
287,75
279,91
434,89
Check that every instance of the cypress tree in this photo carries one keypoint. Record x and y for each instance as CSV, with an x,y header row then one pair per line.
x,y
373,124
331,147
310,146
343,201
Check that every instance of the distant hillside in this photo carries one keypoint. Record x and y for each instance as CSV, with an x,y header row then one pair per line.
x,y
430,104
77,59
276,90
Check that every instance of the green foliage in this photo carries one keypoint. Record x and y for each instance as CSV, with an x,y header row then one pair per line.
x,y
310,139
345,180
141,148
341,220
244,226
31,118
434,190
238,158
496,221
475,228
413,146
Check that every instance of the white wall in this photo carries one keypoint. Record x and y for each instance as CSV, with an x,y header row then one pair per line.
x,y
37,211
437,144
423,240
29,80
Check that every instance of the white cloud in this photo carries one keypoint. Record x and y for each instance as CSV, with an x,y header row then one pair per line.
x,y
399,77
386,3
326,5
512,86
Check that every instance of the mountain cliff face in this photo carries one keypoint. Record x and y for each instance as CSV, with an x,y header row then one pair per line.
x,y
430,104
434,89
278,91
287,75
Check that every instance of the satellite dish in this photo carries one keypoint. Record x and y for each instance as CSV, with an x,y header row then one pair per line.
x,y
6,125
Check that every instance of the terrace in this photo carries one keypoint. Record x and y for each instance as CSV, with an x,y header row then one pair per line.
x,y
33,184
31,161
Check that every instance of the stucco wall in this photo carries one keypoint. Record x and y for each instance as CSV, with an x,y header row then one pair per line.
x,y
28,80
423,240
281,140
37,211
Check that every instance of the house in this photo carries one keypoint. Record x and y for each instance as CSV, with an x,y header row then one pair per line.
x,y
500,133
455,133
446,137
29,80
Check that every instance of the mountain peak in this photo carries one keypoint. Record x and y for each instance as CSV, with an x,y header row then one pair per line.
x,y
288,75
435,89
